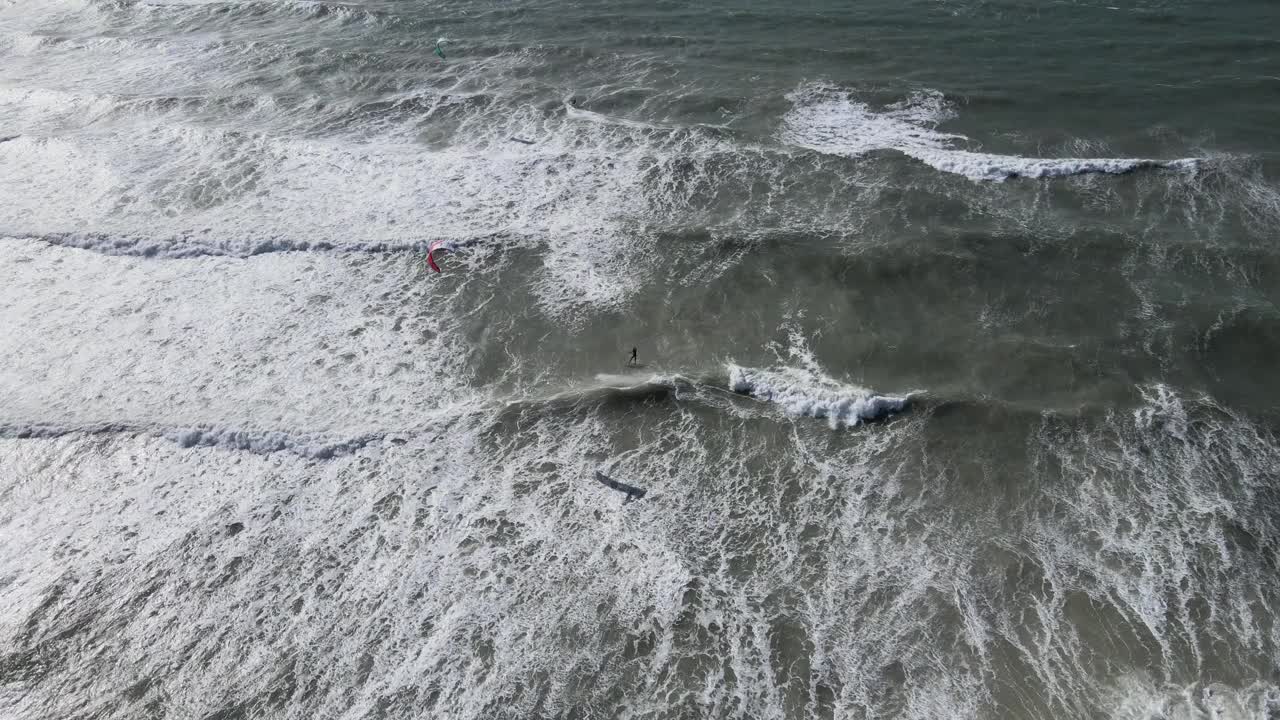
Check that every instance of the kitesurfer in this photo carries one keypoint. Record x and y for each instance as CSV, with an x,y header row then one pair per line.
x,y
633,360
431,261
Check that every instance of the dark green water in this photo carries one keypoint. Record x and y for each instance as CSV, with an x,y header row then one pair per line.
x,y
957,324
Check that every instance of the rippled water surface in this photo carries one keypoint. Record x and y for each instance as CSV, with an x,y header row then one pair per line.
x,y
956,321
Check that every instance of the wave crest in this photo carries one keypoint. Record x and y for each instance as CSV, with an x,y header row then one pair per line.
x,y
829,120
806,393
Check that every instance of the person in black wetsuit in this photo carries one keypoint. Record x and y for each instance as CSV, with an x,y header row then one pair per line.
x,y
633,360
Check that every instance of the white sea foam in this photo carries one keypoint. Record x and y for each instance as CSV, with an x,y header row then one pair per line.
x,y
985,166
577,113
1139,525
259,441
150,184
804,393
472,560
317,447
331,345
180,11
21,43
831,120
1139,696
198,562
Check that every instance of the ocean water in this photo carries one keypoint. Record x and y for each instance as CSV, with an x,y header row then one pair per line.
x,y
957,323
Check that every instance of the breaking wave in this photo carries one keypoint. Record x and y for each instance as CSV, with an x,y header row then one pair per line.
x,y
830,120
804,393
986,166
800,392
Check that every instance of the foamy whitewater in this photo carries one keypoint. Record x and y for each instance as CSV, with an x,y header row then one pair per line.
x,y
953,392
830,120
803,394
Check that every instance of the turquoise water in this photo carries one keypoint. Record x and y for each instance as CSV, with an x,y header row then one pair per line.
x,y
956,325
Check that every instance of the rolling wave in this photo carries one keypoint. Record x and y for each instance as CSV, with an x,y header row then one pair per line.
x,y
803,393
800,395
986,166
315,447
830,120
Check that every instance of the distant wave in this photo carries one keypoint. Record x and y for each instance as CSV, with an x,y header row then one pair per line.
x,y
193,246
316,447
256,8
985,166
831,121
